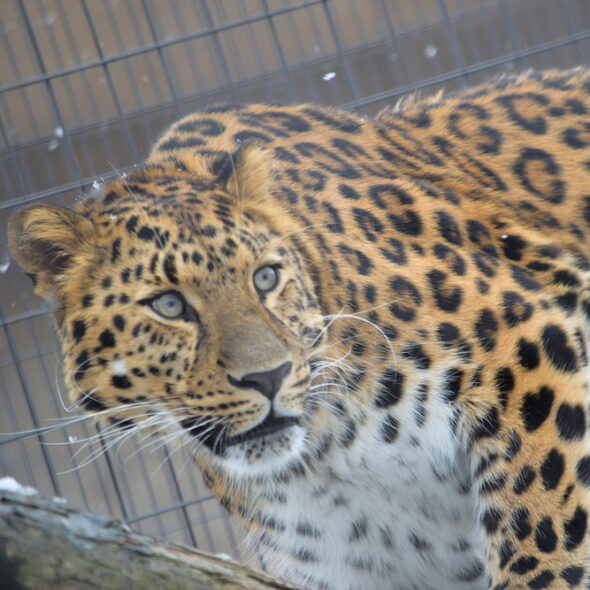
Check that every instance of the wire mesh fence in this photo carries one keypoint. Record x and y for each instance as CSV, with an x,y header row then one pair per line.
x,y
86,86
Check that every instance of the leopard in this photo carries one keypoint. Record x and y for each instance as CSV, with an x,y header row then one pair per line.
x,y
369,332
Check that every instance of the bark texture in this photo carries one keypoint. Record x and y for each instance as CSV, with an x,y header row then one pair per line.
x,y
44,545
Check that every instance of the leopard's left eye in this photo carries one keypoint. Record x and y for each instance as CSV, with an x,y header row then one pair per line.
x,y
168,305
266,278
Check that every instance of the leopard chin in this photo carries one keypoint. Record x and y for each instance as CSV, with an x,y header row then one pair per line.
x,y
267,452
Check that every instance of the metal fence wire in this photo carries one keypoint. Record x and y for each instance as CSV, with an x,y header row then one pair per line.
x,y
87,85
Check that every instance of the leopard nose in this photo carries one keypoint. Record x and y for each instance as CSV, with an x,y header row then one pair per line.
x,y
267,383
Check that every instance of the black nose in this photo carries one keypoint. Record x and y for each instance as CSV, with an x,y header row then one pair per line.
x,y
266,382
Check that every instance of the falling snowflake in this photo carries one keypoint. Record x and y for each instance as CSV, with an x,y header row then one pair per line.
x,y
430,51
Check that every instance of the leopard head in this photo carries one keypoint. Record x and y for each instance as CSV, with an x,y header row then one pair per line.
x,y
181,307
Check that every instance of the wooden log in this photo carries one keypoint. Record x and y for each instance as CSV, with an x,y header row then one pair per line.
x,y
45,545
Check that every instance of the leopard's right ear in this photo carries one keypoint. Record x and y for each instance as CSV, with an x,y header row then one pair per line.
x,y
44,240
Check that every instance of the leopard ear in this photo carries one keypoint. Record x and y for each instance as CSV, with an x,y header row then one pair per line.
x,y
246,173
44,241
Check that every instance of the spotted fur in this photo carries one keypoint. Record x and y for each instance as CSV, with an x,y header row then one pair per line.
x,y
407,407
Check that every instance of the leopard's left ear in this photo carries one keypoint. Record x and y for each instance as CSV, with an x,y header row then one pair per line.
x,y
246,173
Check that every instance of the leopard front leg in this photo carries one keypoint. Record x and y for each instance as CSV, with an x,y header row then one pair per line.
x,y
531,463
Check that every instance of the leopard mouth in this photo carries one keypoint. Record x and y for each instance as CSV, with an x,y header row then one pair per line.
x,y
217,441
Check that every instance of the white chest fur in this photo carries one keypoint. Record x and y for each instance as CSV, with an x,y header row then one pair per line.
x,y
397,516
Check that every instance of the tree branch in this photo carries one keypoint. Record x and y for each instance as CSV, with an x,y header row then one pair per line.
x,y
44,545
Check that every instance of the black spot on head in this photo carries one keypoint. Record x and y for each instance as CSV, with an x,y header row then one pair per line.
x,y
121,382
131,224
78,330
107,339
119,322
87,300
170,269
92,403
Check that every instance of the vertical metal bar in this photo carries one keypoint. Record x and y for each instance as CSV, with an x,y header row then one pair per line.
x,y
59,59
112,475
32,409
146,58
277,45
9,408
452,35
13,163
30,112
569,23
166,67
58,407
512,33
71,160
350,79
218,50
393,35
127,137
71,41
148,488
231,45
180,496
73,103
188,47
121,47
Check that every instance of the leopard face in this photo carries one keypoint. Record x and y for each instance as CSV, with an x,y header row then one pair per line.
x,y
198,325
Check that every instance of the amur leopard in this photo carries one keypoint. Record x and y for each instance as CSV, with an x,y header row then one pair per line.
x,y
371,333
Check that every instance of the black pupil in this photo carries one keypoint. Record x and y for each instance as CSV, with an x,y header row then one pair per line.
x,y
171,303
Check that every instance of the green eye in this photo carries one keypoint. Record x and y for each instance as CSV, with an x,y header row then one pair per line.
x,y
266,278
169,305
